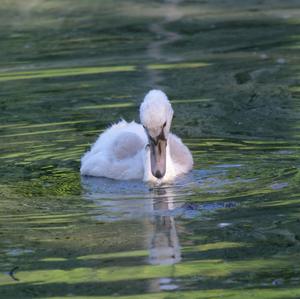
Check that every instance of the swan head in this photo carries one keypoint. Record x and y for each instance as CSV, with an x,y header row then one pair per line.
x,y
156,115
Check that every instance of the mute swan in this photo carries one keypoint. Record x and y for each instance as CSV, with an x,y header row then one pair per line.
x,y
146,151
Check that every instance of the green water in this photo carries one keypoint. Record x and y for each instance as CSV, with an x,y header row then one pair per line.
x,y
230,228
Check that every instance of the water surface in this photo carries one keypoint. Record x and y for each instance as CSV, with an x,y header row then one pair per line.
x,y
230,228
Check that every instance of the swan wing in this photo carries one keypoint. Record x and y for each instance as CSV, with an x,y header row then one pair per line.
x,y
117,153
127,145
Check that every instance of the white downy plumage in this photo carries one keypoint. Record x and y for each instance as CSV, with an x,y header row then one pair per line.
x,y
146,151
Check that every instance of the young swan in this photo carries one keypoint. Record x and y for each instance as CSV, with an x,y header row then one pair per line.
x,y
133,151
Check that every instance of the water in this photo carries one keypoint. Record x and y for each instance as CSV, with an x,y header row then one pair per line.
x,y
230,228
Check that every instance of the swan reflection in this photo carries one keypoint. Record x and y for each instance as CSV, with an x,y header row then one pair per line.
x,y
164,245
128,200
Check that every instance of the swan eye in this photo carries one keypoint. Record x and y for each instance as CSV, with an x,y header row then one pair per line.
x,y
164,124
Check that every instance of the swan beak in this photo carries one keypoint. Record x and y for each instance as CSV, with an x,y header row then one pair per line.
x,y
158,157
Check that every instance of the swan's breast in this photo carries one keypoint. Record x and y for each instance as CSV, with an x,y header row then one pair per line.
x,y
180,154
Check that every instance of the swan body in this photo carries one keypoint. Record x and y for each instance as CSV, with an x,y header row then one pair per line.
x,y
146,151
